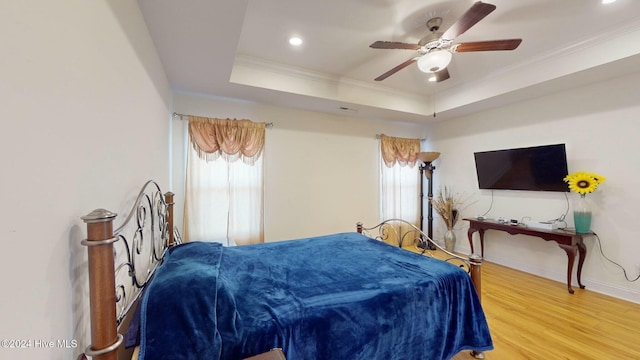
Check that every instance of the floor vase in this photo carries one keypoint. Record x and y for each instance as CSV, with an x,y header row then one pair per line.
x,y
449,240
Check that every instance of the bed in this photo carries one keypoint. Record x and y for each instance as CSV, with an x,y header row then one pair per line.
x,y
348,295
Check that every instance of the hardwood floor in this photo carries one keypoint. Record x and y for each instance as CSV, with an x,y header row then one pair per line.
x,y
535,318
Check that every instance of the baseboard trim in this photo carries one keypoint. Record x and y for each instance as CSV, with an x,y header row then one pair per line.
x,y
593,285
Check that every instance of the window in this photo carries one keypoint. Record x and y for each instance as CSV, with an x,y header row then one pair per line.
x,y
224,198
399,179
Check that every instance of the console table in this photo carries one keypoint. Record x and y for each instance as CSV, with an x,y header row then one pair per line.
x,y
569,241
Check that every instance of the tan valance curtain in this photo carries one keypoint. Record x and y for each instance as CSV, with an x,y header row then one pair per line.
x,y
232,139
400,150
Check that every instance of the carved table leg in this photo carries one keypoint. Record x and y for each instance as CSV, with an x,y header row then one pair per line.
x,y
571,255
470,236
582,250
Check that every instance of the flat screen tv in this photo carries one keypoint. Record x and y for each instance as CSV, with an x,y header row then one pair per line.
x,y
538,168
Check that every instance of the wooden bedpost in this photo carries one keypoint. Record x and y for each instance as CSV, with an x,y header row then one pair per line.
x,y
102,289
476,271
475,262
168,198
359,227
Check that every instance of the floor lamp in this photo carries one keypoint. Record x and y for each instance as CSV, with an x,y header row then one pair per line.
x,y
427,167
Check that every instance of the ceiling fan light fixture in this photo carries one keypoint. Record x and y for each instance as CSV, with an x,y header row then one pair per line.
x,y
434,61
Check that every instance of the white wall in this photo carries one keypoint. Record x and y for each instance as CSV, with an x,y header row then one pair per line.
x,y
321,171
599,125
85,121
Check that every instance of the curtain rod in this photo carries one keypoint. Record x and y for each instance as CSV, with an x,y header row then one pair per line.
x,y
378,137
182,117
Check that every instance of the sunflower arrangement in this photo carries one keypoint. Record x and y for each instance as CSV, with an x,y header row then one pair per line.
x,y
584,182
446,204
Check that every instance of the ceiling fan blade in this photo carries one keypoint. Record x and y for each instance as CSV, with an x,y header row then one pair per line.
x,y
507,44
396,69
394,45
475,13
442,75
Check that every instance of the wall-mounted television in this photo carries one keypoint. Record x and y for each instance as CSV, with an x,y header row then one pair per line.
x,y
538,168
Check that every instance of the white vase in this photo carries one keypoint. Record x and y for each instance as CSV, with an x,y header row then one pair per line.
x,y
449,240
582,215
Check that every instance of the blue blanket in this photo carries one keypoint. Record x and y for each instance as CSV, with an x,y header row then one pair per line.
x,y
341,296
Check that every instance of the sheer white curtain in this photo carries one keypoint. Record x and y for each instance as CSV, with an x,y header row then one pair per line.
x,y
399,179
224,197
400,193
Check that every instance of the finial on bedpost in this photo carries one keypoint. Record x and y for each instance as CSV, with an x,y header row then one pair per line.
x,y
99,216
359,227
102,290
168,198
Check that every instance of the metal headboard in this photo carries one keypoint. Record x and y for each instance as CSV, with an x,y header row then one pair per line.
x,y
401,232
144,239
138,247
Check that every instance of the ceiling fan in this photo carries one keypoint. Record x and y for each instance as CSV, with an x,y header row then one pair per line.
x,y
435,50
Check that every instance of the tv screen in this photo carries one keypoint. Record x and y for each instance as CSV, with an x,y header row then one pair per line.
x,y
539,168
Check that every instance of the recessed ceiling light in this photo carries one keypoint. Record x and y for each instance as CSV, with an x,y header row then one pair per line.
x,y
295,41
608,1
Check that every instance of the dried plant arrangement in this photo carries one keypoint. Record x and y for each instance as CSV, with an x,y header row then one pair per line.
x,y
448,204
